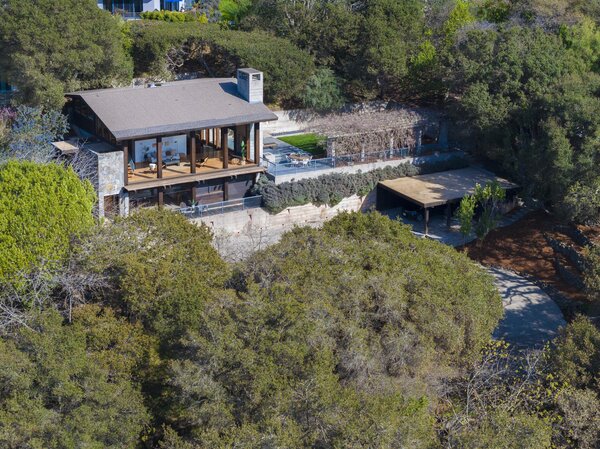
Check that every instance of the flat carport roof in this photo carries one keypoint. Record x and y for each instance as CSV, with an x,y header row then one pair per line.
x,y
437,189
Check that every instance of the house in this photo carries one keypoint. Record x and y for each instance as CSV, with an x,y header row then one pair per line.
x,y
195,141
134,7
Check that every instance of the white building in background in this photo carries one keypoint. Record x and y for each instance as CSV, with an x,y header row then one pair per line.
x,y
134,7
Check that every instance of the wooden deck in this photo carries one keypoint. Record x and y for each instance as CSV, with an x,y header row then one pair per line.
x,y
144,174
174,174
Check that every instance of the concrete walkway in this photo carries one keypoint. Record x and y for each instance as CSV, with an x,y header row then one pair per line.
x,y
440,232
531,318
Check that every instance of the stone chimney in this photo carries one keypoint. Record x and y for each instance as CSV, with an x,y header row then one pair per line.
x,y
250,85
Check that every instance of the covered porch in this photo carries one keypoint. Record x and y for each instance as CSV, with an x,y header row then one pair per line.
x,y
201,151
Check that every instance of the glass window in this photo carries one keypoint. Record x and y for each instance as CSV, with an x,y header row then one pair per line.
x,y
174,145
145,150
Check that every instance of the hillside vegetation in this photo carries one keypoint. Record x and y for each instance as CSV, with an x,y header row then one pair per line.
x,y
354,335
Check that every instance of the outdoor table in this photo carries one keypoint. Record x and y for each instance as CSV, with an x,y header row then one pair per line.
x,y
298,158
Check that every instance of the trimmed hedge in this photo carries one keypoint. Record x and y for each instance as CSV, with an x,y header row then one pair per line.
x,y
330,189
174,16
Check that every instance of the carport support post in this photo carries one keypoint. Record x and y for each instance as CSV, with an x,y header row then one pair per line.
x,y
161,197
448,214
426,213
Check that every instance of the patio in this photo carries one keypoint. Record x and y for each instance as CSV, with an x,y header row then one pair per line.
x,y
277,151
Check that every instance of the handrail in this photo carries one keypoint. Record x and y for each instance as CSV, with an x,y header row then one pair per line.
x,y
221,207
286,168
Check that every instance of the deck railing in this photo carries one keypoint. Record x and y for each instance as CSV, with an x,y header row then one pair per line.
x,y
221,207
288,168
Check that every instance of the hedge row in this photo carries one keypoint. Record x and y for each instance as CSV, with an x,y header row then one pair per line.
x,y
330,189
174,16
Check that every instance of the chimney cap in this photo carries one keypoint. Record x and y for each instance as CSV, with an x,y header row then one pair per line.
x,y
249,70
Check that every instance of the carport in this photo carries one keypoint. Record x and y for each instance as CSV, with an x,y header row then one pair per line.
x,y
438,189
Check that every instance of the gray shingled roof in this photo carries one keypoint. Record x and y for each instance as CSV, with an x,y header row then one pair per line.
x,y
180,106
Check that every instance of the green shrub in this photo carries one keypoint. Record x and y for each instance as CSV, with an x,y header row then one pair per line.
x,y
330,189
174,16
42,206
63,386
576,356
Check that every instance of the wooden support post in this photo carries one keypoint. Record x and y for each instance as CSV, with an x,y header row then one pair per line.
x,y
161,197
247,142
126,163
448,214
192,146
257,142
225,190
225,147
426,213
159,160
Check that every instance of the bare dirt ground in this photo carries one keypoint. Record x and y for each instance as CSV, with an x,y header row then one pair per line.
x,y
521,247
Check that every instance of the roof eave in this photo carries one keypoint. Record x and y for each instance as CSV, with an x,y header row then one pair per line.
x,y
139,133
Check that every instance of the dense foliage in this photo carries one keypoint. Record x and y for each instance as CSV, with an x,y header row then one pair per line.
x,y
163,270
534,108
48,48
330,189
42,207
68,386
520,78
161,49
355,335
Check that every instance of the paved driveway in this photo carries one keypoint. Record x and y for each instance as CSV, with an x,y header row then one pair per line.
x,y
531,318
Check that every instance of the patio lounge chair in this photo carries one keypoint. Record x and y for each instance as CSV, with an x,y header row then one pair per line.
x,y
291,160
306,161
202,163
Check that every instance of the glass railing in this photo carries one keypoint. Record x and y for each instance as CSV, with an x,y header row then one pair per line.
x,y
307,165
221,207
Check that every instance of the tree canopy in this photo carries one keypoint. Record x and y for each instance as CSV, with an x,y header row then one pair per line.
x,y
358,334
48,48
67,386
164,49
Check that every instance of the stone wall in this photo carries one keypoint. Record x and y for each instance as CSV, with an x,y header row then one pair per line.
x,y
256,220
108,177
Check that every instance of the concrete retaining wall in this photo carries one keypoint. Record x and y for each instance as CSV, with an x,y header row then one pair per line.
x,y
255,220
